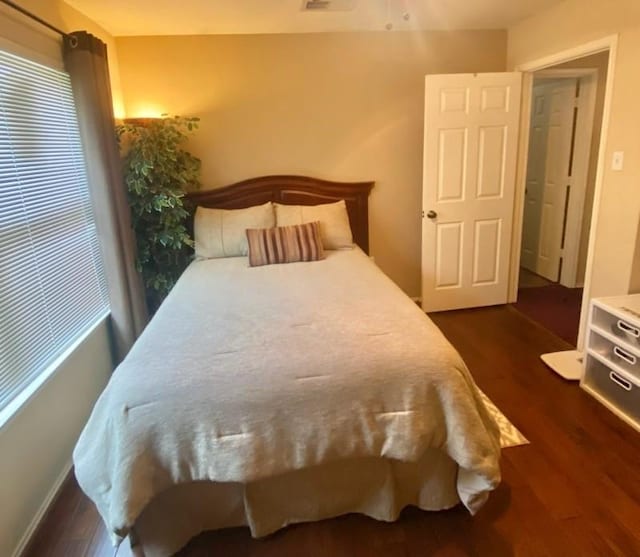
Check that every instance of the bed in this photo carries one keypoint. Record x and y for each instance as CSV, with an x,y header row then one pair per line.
x,y
265,396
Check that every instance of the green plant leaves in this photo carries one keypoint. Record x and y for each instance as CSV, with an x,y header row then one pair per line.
x,y
157,172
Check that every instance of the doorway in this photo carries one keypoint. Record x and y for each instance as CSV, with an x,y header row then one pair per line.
x,y
567,104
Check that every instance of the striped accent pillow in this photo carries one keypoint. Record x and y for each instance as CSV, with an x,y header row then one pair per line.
x,y
285,244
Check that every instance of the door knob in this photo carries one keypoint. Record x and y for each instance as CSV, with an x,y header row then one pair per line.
x,y
432,215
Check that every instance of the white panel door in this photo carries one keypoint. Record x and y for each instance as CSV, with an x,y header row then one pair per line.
x,y
534,192
561,97
470,148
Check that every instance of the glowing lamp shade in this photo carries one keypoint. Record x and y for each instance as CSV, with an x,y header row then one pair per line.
x,y
118,109
146,110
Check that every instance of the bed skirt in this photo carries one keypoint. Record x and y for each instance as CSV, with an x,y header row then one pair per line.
x,y
377,487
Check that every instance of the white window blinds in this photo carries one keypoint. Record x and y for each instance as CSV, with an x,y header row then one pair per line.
x,y
52,285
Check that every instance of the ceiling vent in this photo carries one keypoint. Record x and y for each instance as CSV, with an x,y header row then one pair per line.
x,y
328,5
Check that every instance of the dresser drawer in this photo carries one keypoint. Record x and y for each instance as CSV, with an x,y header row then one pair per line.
x,y
621,328
616,353
615,387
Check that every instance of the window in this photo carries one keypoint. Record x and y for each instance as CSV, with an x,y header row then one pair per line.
x,y
52,284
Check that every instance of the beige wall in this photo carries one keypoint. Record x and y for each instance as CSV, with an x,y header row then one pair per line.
x,y
37,441
345,106
634,286
599,62
564,26
36,444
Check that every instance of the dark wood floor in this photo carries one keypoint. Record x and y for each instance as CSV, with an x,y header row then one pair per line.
x,y
574,491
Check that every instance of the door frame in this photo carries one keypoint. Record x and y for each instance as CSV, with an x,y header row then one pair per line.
x,y
588,79
610,44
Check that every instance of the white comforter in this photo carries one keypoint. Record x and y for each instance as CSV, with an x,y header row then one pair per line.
x,y
246,373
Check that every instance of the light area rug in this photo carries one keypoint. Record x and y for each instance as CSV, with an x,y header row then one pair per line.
x,y
509,434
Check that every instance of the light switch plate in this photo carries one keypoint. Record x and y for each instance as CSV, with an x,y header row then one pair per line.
x,y
618,160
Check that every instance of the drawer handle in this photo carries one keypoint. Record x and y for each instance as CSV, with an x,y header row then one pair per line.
x,y
626,328
620,381
624,355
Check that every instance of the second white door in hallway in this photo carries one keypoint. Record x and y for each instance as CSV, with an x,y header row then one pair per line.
x,y
548,175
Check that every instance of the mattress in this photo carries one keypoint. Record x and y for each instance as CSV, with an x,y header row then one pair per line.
x,y
249,374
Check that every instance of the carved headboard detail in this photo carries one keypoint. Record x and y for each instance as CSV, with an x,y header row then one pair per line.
x,y
294,190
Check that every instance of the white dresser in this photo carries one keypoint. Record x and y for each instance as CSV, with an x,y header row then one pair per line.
x,y
612,359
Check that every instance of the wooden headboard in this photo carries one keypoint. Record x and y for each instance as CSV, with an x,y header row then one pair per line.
x,y
294,190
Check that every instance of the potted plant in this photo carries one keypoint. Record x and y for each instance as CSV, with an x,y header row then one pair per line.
x,y
157,172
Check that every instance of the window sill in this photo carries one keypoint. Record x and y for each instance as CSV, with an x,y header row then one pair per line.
x,y
19,402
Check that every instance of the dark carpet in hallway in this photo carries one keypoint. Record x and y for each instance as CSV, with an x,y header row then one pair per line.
x,y
555,307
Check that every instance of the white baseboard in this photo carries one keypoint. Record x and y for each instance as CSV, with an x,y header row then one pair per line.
x,y
35,522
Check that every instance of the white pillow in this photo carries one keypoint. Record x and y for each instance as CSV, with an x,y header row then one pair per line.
x,y
335,229
222,232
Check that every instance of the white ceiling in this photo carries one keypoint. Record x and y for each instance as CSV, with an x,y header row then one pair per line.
x,y
193,17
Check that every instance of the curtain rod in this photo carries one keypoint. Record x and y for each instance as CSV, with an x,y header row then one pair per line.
x,y
30,15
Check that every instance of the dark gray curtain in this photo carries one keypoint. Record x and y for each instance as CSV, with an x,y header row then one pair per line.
x,y
86,61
